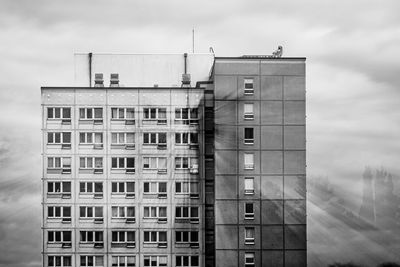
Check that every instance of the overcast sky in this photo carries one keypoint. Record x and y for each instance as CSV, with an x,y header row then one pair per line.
x,y
353,78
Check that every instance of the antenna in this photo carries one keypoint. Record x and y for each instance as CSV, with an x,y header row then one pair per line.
x,y
193,40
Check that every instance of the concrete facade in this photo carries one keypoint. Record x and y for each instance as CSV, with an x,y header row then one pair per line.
x,y
158,171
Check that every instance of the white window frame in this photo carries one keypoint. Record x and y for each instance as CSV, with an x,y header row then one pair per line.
x,y
180,111
188,186
122,261
154,163
249,185
60,185
157,212
183,240
90,237
58,235
157,138
189,208
248,159
180,137
90,163
94,259
62,211
90,188
248,215
90,138
124,138
125,237
125,188
122,212
147,113
93,111
192,162
125,165
157,259
62,260
249,259
248,110
52,162
124,113
62,137
151,187
150,237
61,112
190,260
94,210
249,235
248,141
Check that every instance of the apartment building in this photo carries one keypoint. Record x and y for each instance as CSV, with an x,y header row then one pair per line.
x,y
175,160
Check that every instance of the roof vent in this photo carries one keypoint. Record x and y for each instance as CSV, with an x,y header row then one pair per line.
x,y
98,80
114,80
186,80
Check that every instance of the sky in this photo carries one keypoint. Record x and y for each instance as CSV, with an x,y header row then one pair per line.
x,y
353,67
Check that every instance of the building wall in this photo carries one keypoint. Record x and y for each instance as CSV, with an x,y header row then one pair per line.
x,y
107,98
279,172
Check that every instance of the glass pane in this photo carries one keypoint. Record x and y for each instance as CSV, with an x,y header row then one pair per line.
x,y
194,138
121,163
98,138
162,236
114,187
66,113
50,162
162,138
153,113
146,113
130,187
81,113
146,212
99,261
130,113
114,138
162,187
114,211
99,162
89,138
162,113
185,114
67,187
50,113
194,212
98,211
98,113
57,162
57,138
178,212
194,187
66,162
121,113
194,113
131,236
98,187
114,162
130,138
185,163
162,211
177,113
67,138
153,212
130,163
89,113
162,163
131,211
121,212
153,138
114,113
121,187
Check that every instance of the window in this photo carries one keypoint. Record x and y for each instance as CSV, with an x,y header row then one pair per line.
x,y
249,259
127,188
186,236
58,236
58,188
122,138
92,261
59,261
155,237
249,185
91,113
58,212
187,115
90,187
90,163
154,212
159,114
59,113
154,138
248,86
59,163
186,212
248,111
249,211
123,237
155,163
123,163
122,212
155,261
186,138
154,187
187,188
98,80
248,161
90,138
86,212
186,163
187,261
91,236
59,138
122,113
123,261
249,235
249,136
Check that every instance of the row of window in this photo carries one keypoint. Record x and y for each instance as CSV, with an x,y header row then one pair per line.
x,y
124,212
56,188
123,163
96,113
122,138
123,261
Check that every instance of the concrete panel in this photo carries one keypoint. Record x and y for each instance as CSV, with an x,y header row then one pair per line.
x,y
294,137
226,237
63,97
256,109
271,112
295,212
294,88
283,68
295,162
225,137
240,67
118,97
225,187
272,258
257,258
225,112
272,211
257,240
272,237
225,87
295,258
295,187
91,97
257,213
226,258
295,237
271,162
225,162
295,112
271,137
257,188
256,88
272,187
256,143
256,168
161,97
271,88
226,212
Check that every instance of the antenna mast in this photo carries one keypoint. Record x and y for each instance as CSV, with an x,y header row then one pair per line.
x,y
193,40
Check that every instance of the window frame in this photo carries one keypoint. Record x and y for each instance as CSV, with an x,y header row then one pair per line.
x,y
61,112
125,112
248,140
248,85
93,113
248,164
93,260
